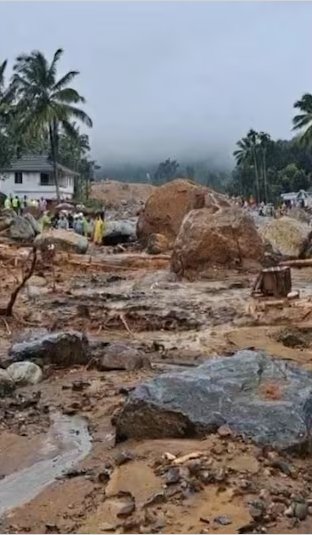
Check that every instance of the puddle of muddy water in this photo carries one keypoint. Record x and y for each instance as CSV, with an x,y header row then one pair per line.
x,y
68,441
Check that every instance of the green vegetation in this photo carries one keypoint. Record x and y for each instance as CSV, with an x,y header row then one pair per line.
x,y
37,114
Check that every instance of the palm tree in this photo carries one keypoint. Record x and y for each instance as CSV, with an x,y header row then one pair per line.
x,y
247,154
265,141
46,104
304,119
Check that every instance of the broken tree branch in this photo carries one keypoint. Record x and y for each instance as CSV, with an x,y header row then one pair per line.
x,y
8,310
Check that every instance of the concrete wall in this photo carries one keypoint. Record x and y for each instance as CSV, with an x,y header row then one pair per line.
x,y
32,188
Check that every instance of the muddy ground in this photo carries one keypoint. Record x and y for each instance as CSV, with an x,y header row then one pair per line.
x,y
125,488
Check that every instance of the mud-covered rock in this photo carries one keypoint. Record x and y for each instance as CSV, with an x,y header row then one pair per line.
x,y
227,239
166,207
25,373
6,384
21,229
64,240
286,236
120,356
33,222
61,349
157,244
268,401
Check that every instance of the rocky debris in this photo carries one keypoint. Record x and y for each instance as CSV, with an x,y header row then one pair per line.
x,y
120,231
6,383
223,520
292,337
259,398
299,214
286,236
21,229
33,222
122,504
120,356
63,240
226,239
25,373
166,207
124,457
157,244
60,349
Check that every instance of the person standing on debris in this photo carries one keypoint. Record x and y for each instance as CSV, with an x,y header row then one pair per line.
x,y
63,222
42,205
45,221
98,230
15,204
7,203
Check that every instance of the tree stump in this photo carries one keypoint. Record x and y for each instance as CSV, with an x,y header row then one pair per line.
x,y
274,281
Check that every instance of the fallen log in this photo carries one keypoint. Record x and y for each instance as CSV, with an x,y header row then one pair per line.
x,y
297,263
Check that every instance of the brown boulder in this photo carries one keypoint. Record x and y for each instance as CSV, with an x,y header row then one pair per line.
x,y
157,244
226,239
166,207
120,356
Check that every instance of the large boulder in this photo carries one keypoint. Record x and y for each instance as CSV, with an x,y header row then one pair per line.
x,y
166,207
33,222
266,400
25,373
61,349
64,240
120,356
226,239
21,229
119,231
286,236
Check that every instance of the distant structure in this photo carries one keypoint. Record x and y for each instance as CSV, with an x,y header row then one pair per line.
x,y
33,176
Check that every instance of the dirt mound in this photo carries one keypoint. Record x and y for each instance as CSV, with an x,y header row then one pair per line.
x,y
114,193
166,207
227,238
286,236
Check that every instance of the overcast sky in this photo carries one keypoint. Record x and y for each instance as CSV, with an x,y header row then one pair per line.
x,y
173,78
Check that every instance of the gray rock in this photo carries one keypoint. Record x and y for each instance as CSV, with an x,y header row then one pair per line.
x,y
25,373
61,349
125,227
33,223
21,229
223,520
120,356
6,384
63,240
300,510
228,390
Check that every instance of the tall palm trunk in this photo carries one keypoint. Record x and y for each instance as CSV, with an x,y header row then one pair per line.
x,y
256,174
265,181
53,146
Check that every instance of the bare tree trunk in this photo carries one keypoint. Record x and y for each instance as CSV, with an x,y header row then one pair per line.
x,y
256,174
54,160
266,197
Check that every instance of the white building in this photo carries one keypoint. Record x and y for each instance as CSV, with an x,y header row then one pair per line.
x,y
33,176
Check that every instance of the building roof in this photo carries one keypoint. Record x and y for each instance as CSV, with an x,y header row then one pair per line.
x,y
36,163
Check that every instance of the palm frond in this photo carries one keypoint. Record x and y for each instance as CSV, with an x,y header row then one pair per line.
x,y
69,111
67,95
65,80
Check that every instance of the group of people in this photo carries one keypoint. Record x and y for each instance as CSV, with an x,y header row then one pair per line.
x,y
20,205
79,223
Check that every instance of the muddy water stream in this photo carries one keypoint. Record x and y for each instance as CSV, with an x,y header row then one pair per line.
x,y
67,443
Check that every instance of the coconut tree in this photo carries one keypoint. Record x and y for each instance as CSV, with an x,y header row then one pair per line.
x,y
246,154
265,141
303,121
46,104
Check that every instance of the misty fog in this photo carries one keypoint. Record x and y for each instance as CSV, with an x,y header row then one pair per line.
x,y
173,79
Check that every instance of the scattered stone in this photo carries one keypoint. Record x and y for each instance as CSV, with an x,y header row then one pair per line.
x,y
224,431
6,383
173,476
124,457
169,456
230,391
63,240
52,528
104,476
257,509
223,520
25,373
156,499
106,526
126,505
300,510
282,466
157,244
188,457
62,349
227,239
120,356
292,337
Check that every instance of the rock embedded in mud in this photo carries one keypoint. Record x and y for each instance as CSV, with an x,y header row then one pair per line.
x,y
258,397
25,373
6,383
63,240
157,244
61,349
21,229
120,356
292,337
227,239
